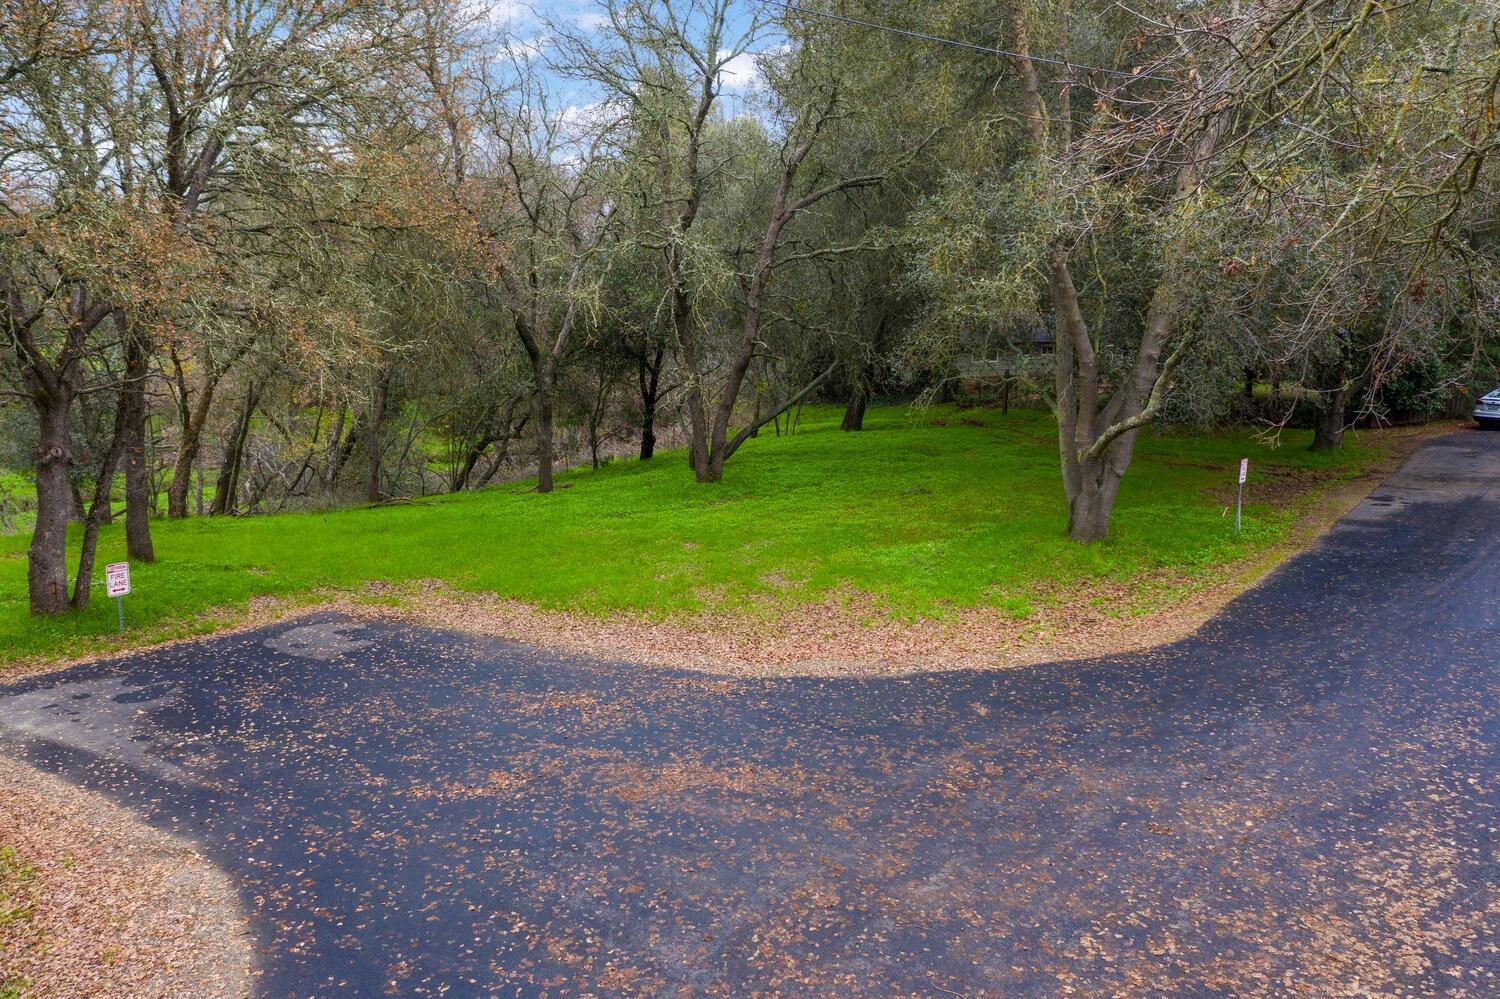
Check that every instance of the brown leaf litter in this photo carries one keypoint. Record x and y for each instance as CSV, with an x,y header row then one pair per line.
x,y
115,908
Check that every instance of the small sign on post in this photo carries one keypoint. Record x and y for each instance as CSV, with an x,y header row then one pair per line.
x,y
1239,499
117,584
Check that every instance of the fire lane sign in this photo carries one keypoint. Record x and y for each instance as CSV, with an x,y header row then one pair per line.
x,y
117,584
117,578
1239,493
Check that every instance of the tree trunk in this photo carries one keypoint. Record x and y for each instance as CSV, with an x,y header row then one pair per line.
x,y
544,439
227,487
717,438
47,558
1096,438
465,471
854,412
1092,490
650,380
1328,430
372,440
335,444
83,582
513,432
346,451
697,433
187,449
138,546
1088,514
714,472
648,430
596,417
412,427
712,447
256,489
723,446
503,431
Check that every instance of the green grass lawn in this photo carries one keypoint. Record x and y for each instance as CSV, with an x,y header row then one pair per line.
x,y
927,511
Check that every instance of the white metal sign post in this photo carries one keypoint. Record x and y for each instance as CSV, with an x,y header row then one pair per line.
x,y
117,584
1239,499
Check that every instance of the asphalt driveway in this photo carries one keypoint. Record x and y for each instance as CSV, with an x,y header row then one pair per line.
x,y
1301,800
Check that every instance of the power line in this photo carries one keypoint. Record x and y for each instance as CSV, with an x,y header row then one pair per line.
x,y
956,43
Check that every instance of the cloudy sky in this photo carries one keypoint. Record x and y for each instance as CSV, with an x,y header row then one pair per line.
x,y
525,22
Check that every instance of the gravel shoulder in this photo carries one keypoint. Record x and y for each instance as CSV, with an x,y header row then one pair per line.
x,y
110,906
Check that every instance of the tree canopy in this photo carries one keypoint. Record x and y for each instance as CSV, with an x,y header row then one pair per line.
x,y
330,250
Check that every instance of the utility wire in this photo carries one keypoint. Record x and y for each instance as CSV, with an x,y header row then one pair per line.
x,y
955,43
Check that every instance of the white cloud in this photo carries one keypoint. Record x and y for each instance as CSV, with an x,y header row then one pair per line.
x,y
578,122
741,72
507,11
581,117
524,49
504,14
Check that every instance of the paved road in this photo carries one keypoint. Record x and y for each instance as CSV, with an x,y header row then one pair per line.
x,y
1302,800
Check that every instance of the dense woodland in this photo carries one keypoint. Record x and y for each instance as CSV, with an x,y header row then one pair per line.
x,y
260,255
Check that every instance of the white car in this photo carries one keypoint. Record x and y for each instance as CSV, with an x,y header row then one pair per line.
x,y
1487,413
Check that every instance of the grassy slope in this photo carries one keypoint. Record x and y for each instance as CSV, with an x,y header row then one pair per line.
x,y
927,511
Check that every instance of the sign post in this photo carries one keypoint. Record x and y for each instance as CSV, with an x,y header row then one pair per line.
x,y
117,584
1239,499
